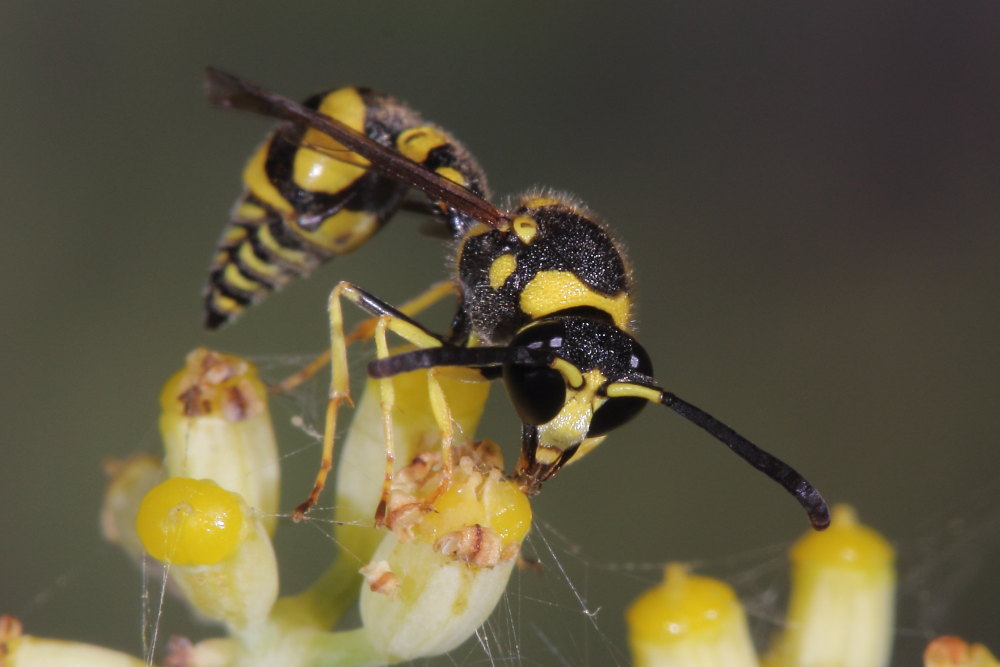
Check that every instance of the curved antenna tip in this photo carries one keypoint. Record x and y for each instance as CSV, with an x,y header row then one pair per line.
x,y
782,473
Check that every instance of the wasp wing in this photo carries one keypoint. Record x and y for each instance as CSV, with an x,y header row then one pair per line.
x,y
226,90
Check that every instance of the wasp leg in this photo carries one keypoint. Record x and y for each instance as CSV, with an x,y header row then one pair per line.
x,y
365,330
439,406
442,415
389,318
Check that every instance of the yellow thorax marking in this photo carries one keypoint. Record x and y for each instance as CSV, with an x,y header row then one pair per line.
x,y
525,227
538,202
500,270
552,291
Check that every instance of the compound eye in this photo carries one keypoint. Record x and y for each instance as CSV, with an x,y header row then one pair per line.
x,y
613,413
537,392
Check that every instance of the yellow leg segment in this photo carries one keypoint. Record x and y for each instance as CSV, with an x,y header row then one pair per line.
x,y
340,382
365,330
388,397
446,427
439,406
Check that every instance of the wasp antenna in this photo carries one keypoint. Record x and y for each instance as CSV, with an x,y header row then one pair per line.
x,y
772,466
433,357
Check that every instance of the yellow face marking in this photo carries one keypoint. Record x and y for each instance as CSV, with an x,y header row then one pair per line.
x,y
572,374
552,291
232,276
418,142
452,174
341,232
570,426
500,270
547,455
337,168
258,183
525,227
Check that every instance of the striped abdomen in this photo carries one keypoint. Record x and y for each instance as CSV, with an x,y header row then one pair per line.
x,y
307,198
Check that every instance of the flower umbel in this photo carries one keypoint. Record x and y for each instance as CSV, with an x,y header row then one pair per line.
x,y
435,572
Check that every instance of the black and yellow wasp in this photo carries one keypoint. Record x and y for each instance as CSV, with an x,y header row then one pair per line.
x,y
544,291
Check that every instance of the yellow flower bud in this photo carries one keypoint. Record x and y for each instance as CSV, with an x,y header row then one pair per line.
x,y
689,621
216,425
438,575
219,553
843,590
360,472
189,522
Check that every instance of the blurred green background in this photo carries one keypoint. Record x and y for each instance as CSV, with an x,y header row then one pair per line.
x,y
809,192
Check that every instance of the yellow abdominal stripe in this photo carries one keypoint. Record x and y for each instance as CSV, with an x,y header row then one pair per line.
x,y
249,259
293,257
256,180
246,211
225,304
232,276
342,232
336,168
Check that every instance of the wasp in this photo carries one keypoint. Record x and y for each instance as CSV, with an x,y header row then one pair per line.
x,y
544,290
